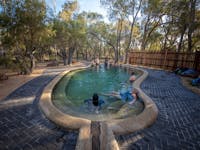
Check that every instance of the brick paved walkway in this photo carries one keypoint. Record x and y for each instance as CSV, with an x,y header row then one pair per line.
x,y
22,124
178,123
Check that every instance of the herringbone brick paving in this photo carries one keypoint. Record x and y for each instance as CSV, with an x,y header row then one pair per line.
x,y
23,125
178,123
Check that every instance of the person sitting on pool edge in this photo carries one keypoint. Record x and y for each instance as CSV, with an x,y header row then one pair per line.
x,y
130,96
95,103
132,77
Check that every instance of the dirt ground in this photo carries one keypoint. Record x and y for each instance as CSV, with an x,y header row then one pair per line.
x,y
15,81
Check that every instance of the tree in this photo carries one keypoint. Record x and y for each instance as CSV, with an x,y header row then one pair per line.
x,y
23,24
120,11
70,31
191,22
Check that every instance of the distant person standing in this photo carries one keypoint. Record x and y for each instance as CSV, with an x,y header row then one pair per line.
x,y
106,62
97,61
93,63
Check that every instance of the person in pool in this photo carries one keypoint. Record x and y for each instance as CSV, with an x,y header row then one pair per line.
x,y
94,104
132,77
128,96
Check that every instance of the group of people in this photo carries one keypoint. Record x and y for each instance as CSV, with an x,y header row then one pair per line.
x,y
130,96
96,62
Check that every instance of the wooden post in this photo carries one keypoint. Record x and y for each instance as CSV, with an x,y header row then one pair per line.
x,y
165,59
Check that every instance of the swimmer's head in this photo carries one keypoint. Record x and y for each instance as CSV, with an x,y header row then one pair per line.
x,y
95,99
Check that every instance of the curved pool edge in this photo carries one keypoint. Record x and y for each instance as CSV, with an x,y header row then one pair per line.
x,y
61,119
146,118
108,128
131,124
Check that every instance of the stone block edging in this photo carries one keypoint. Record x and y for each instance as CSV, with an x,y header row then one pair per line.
x,y
64,120
108,128
141,121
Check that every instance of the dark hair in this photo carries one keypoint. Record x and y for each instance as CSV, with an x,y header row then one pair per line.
x,y
95,99
136,93
132,73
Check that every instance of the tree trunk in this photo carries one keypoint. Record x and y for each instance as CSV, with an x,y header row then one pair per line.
x,y
143,45
126,57
130,36
77,55
64,60
119,31
63,55
116,56
179,47
165,39
181,39
86,55
23,64
191,23
32,61
26,69
70,56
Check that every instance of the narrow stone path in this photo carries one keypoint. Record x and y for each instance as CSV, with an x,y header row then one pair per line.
x,y
178,123
95,131
23,125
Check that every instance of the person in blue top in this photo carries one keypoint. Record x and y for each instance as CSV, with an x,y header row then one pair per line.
x,y
127,96
95,103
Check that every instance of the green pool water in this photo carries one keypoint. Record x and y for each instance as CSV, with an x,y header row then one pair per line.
x,y
75,87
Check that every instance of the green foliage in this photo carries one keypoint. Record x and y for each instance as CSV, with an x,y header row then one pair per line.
x,y
23,29
27,33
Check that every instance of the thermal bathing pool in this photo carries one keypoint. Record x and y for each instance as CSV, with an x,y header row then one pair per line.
x,y
76,86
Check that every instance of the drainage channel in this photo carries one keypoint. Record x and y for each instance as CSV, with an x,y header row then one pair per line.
x,y
95,132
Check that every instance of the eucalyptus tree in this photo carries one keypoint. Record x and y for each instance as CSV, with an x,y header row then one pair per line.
x,y
70,29
60,39
179,23
106,34
153,19
196,34
94,45
177,14
117,16
22,26
77,30
188,21
120,11
191,22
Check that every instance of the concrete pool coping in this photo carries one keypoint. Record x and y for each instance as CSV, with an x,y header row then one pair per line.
x,y
108,128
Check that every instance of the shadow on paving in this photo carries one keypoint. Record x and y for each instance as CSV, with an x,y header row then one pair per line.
x,y
178,122
23,126
29,89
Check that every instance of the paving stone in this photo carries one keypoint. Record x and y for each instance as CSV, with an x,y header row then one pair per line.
x,y
23,126
177,126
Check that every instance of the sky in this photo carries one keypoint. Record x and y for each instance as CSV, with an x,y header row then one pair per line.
x,y
85,5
